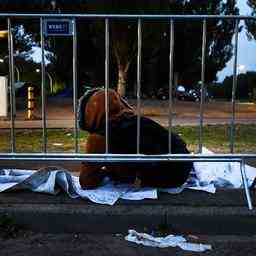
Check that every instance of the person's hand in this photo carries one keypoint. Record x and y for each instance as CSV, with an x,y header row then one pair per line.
x,y
90,176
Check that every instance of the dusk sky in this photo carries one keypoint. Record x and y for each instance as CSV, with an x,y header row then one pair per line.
x,y
246,49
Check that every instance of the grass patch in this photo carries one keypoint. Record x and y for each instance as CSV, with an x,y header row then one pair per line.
x,y
30,140
215,137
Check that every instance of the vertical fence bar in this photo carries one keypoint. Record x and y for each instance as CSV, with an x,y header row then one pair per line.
x,y
139,85
106,85
11,84
75,84
171,82
44,146
245,184
202,86
233,99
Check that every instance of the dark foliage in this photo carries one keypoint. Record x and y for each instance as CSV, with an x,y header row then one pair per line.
x,y
155,49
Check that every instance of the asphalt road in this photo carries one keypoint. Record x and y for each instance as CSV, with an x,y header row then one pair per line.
x,y
31,244
60,113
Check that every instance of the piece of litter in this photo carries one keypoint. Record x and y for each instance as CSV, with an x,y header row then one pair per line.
x,y
164,242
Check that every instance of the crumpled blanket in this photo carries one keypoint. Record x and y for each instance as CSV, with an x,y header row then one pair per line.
x,y
52,180
206,177
164,242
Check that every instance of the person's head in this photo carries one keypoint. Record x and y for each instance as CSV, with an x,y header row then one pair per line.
x,y
92,108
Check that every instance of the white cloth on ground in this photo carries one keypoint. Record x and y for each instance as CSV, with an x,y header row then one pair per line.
x,y
205,177
164,242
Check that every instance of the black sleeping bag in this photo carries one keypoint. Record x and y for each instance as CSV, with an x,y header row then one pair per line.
x,y
153,141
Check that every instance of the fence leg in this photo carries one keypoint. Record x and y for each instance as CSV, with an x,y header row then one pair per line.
x,y
245,184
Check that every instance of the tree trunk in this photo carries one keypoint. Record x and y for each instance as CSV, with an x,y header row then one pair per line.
x,y
121,86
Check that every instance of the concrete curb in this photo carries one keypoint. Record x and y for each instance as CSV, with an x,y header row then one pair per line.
x,y
191,212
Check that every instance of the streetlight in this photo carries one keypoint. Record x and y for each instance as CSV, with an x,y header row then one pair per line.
x,y
49,76
16,69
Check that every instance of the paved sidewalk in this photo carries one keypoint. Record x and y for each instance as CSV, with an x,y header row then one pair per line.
x,y
67,227
69,123
193,212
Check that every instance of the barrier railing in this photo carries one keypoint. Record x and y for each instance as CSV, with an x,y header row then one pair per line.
x,y
124,157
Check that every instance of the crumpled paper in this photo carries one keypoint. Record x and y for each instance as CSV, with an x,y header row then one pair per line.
x,y
164,242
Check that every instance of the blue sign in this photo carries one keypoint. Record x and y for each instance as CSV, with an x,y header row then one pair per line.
x,y
63,27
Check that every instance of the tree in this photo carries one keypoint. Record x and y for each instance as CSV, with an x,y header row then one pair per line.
x,y
187,62
188,41
187,51
246,86
250,24
22,44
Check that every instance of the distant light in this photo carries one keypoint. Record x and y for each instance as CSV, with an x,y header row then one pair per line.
x,y
37,70
1,60
241,69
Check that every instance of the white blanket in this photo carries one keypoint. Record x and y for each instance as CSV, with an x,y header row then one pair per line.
x,y
206,177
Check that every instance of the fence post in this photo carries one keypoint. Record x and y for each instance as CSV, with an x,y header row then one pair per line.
x,y
43,87
139,84
11,84
75,84
234,85
245,184
106,85
171,82
202,86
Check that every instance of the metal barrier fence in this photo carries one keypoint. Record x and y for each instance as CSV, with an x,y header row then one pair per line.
x,y
241,158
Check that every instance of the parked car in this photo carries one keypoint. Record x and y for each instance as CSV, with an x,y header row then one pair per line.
x,y
181,94
191,95
162,93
